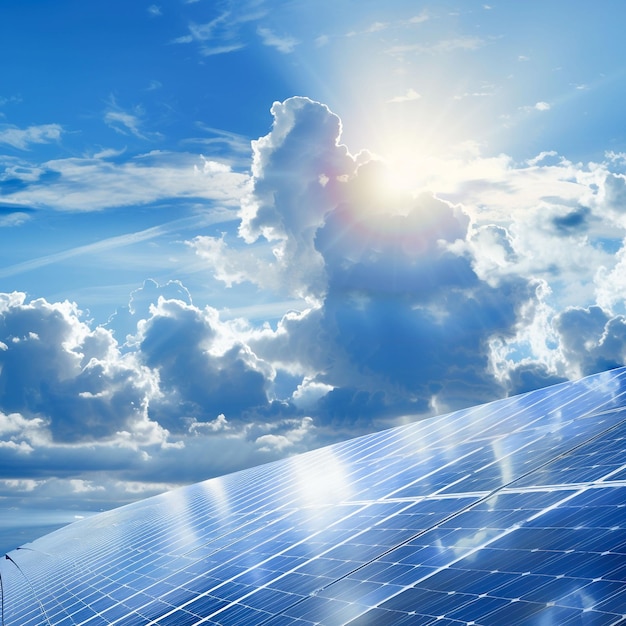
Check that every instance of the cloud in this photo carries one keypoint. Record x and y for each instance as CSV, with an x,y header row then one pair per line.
x,y
22,138
231,148
14,218
399,312
416,303
124,322
562,218
614,188
208,51
420,19
610,284
256,265
443,46
288,440
183,39
124,122
284,44
53,365
591,339
80,417
93,184
9,100
409,96
538,106
297,172
202,373
485,91
154,10
322,41
202,32
103,245
406,319
378,26
224,33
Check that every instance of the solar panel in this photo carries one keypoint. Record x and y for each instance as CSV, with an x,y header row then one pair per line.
x,y
512,512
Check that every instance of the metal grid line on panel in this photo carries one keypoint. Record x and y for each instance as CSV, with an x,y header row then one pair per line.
x,y
506,512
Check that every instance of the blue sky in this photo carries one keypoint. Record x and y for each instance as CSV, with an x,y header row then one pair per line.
x,y
234,231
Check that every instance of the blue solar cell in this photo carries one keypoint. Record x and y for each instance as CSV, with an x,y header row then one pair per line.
x,y
478,609
178,618
515,612
284,620
237,614
383,617
509,512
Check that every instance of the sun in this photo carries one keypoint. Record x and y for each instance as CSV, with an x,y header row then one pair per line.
x,y
408,165
419,142
385,185
400,175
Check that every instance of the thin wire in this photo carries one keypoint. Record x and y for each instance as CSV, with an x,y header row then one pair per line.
x,y
1,600
43,611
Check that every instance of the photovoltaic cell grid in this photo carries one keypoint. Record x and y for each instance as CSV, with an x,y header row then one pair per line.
x,y
508,513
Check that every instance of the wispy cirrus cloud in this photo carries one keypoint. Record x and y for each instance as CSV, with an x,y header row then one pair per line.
x,y
205,31
4,100
409,96
111,243
126,122
420,18
443,46
13,218
231,148
94,184
223,34
284,44
216,37
209,51
378,26
23,138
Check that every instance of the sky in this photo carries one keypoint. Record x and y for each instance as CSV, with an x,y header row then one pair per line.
x,y
236,231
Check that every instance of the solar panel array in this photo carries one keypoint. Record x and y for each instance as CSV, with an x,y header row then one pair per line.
x,y
510,513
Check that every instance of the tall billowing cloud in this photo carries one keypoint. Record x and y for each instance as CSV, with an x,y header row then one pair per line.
x,y
400,321
297,170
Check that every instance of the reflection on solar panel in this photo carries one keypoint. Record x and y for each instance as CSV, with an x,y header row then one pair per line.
x,y
508,513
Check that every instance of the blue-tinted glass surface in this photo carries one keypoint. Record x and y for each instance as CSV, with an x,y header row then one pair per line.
x,y
511,512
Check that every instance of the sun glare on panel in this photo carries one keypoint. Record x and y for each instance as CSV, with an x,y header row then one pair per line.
x,y
321,478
